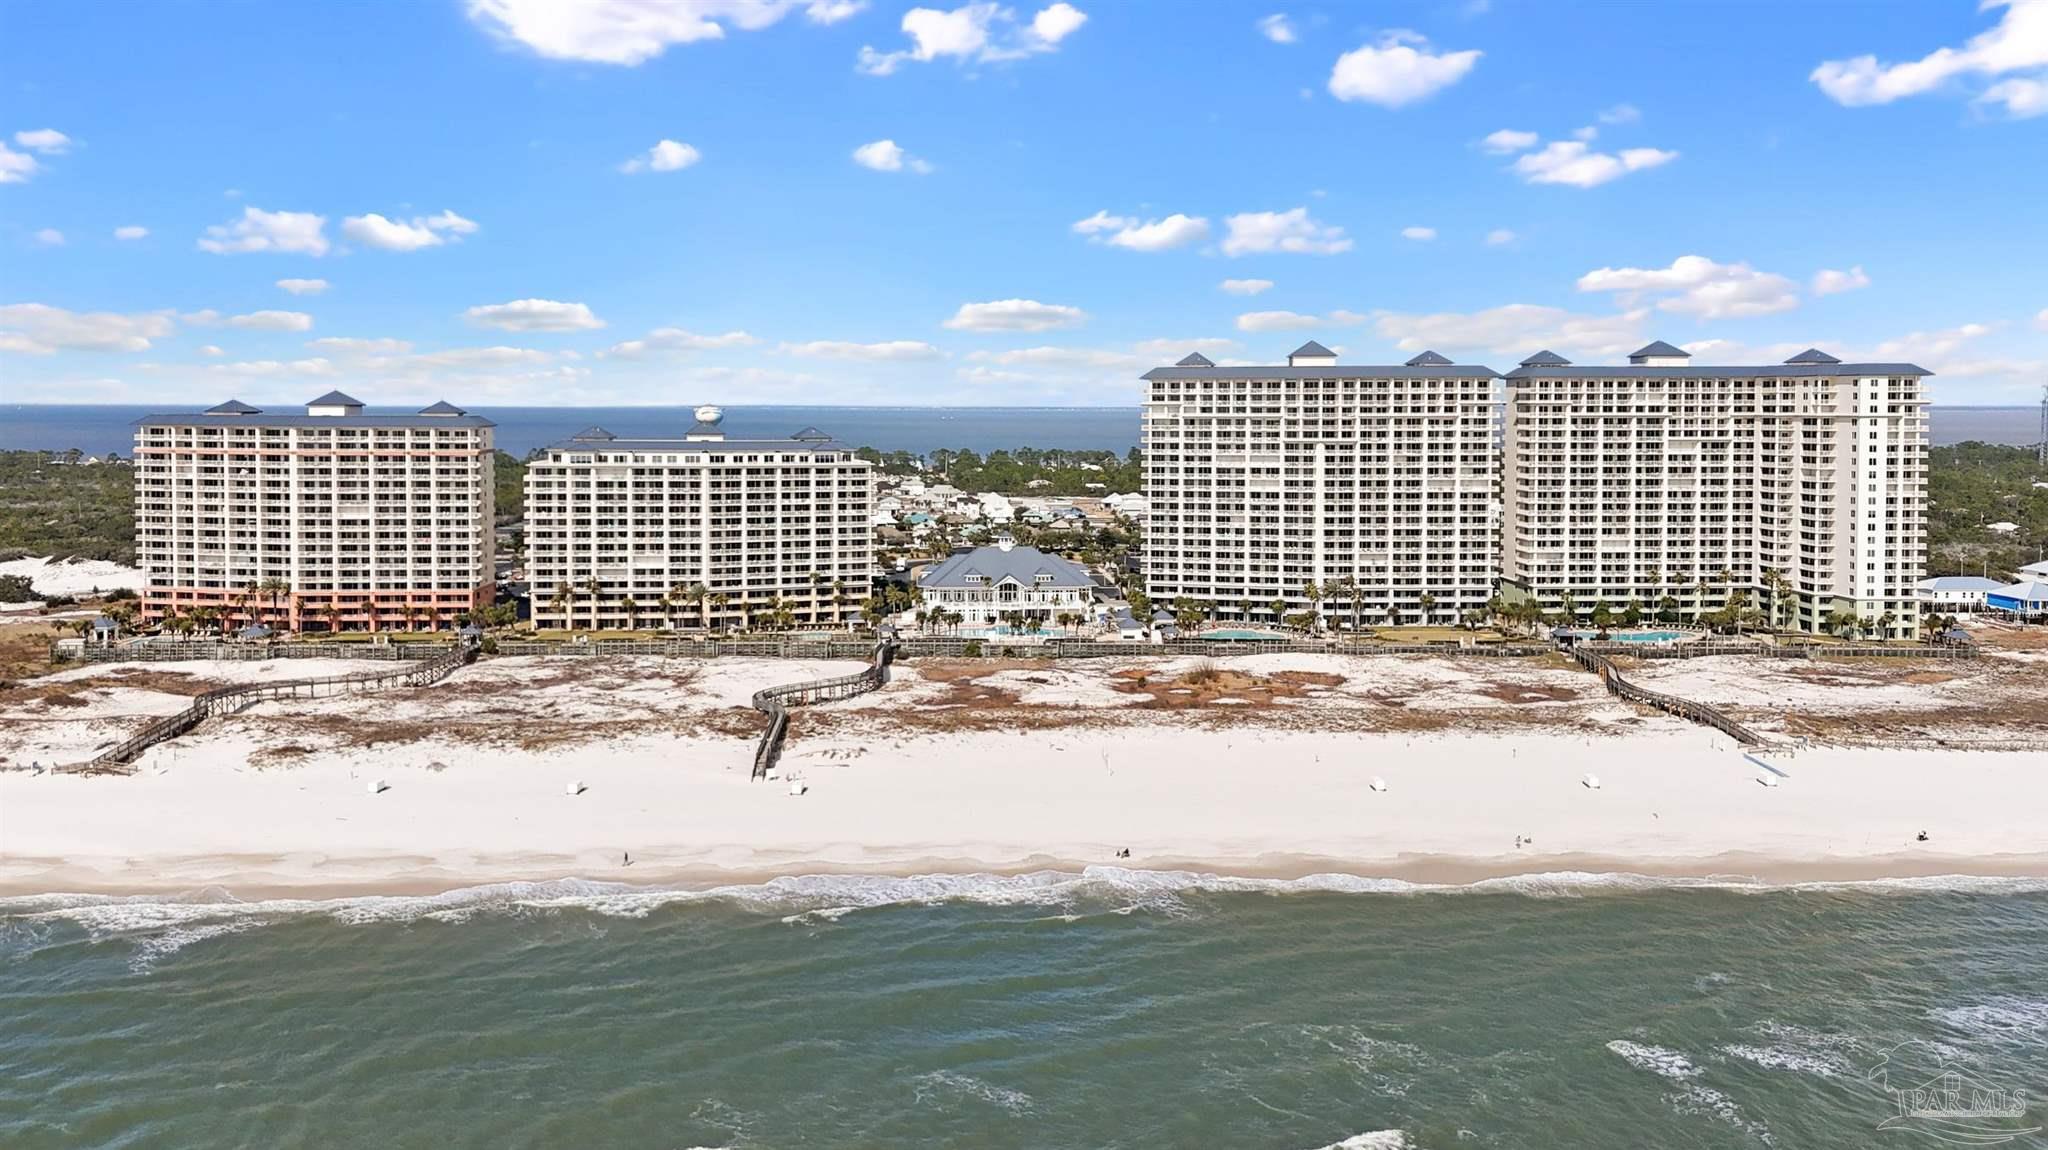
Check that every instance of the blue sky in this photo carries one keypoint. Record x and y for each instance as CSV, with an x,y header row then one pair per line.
x,y
830,201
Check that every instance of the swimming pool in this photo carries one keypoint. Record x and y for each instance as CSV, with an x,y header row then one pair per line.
x,y
1245,635
1634,636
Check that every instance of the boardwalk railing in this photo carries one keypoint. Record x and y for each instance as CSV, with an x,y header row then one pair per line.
x,y
775,702
120,758
1696,650
1601,665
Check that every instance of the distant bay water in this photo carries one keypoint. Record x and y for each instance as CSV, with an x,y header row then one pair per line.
x,y
100,428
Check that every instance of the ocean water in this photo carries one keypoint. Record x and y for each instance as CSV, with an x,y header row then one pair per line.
x,y
1109,1009
98,429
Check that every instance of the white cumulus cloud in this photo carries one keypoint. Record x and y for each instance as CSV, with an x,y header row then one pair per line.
x,y
1508,141
39,329
1290,231
376,231
1574,163
632,32
1277,321
888,156
664,156
1174,231
48,141
1015,315
888,351
1277,28
1245,287
983,31
303,287
16,167
1621,114
130,232
534,315
1399,70
1698,286
1828,281
50,237
675,339
1418,233
260,231
833,11
1499,236
273,321
2018,43
1515,329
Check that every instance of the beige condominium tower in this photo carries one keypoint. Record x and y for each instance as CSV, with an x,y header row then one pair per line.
x,y
698,529
326,520
1363,493
1797,490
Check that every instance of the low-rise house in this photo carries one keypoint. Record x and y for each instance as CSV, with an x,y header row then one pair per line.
x,y
2028,599
1954,592
986,583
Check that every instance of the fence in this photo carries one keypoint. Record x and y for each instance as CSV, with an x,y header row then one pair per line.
x,y
775,702
1670,704
1777,651
187,650
120,758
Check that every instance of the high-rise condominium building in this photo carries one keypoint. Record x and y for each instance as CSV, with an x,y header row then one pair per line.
x,y
328,520
1800,485
1375,484
698,529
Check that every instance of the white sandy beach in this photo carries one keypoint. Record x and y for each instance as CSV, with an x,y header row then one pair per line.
x,y
667,779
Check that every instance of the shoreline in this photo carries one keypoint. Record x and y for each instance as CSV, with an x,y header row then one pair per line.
x,y
246,883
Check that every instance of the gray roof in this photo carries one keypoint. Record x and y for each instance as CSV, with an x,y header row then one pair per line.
x,y
1660,348
1339,371
234,407
1961,583
1813,355
442,407
2028,590
606,441
702,427
1195,359
593,432
1312,348
994,564
1698,371
1545,358
808,433
215,418
1429,359
335,399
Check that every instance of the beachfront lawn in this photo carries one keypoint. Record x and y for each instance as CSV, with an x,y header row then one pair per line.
x,y
1422,634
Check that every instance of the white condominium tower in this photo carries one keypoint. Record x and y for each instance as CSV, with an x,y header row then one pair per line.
x,y
1676,486
698,530
328,520
1375,484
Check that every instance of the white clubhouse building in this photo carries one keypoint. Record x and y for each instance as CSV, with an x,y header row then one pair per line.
x,y
988,583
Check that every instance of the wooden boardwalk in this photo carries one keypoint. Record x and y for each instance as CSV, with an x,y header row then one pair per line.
x,y
1670,704
120,758
775,702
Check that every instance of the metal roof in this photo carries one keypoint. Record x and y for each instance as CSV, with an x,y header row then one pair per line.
x,y
613,443
1961,583
1693,371
357,419
1813,355
442,407
995,564
1195,359
1659,348
1313,348
1429,359
234,407
335,399
1545,358
1338,371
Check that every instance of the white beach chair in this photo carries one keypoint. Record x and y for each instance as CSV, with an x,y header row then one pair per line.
x,y
1590,781
1768,780
1378,784
378,786
575,788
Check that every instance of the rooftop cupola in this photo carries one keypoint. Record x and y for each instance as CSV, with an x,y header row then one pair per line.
x,y
1813,355
1195,359
1659,354
334,403
1312,354
1429,359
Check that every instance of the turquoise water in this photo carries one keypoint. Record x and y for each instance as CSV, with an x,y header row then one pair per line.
x,y
1231,634
1634,636
1115,1009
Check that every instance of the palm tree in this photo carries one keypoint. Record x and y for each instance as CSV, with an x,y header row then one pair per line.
x,y
593,588
1313,592
1244,609
275,586
558,603
1187,614
333,617
817,589
839,596
1279,608
433,617
1884,624
1428,602
718,603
